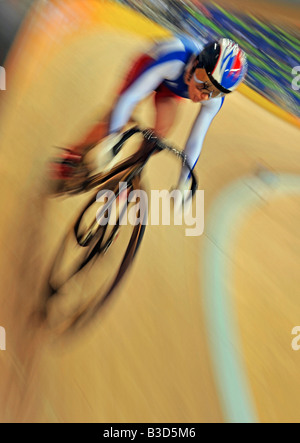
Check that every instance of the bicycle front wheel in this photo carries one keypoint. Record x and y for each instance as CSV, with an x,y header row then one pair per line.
x,y
95,255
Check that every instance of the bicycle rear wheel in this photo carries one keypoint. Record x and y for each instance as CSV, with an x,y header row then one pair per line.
x,y
95,255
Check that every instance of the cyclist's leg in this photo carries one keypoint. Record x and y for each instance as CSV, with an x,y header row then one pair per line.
x,y
167,104
70,164
94,135
100,130
166,111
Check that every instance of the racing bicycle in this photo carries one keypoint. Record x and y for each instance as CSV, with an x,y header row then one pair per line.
x,y
99,247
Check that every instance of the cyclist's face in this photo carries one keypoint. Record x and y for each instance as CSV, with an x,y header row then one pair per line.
x,y
200,87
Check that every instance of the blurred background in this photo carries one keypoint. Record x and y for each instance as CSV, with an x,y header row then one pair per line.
x,y
11,16
201,329
270,40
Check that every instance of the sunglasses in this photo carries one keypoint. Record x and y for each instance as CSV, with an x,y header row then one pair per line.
x,y
206,86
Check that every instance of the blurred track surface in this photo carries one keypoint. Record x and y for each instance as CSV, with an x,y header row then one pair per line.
x,y
150,356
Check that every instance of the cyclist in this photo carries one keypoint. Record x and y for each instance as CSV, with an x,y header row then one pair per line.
x,y
174,69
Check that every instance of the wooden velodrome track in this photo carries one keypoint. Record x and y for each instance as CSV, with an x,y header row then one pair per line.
x,y
200,331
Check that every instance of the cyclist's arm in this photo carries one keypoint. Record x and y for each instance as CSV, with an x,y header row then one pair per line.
x,y
143,85
167,65
201,125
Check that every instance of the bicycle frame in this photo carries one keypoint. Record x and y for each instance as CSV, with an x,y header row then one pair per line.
x,y
136,162
95,241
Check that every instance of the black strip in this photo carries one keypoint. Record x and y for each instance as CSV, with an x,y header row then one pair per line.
x,y
11,18
216,84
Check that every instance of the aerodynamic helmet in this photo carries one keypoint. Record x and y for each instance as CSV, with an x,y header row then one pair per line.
x,y
225,64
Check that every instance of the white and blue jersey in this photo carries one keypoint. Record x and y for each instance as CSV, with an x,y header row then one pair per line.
x,y
179,51
166,65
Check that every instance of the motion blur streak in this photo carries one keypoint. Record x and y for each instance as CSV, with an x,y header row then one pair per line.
x,y
153,356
